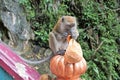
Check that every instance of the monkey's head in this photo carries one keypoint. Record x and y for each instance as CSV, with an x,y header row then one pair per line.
x,y
68,22
65,24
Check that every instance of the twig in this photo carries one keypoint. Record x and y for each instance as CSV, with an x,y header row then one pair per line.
x,y
116,9
93,56
98,47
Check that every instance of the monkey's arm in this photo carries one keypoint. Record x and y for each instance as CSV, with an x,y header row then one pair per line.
x,y
53,42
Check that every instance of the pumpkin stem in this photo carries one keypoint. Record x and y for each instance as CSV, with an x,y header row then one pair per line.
x,y
68,38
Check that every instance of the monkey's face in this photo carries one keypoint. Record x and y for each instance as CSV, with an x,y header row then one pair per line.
x,y
68,22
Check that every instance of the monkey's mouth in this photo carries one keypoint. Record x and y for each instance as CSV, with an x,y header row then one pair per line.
x,y
67,30
72,25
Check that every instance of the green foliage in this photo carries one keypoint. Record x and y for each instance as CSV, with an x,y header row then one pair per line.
x,y
98,25
43,16
28,8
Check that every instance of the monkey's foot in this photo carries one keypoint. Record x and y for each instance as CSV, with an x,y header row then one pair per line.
x,y
61,52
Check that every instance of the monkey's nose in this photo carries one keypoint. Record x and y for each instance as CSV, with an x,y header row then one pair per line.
x,y
73,24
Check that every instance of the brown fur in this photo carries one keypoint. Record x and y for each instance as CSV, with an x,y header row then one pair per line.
x,y
65,26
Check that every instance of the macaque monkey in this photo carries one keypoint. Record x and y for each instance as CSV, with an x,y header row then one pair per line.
x,y
65,26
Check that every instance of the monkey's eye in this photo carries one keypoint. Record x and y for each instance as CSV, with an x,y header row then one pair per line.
x,y
73,24
70,25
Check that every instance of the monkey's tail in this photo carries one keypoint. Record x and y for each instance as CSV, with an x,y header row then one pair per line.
x,y
30,61
37,62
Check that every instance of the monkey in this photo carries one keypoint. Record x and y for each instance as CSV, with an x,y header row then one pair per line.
x,y
66,25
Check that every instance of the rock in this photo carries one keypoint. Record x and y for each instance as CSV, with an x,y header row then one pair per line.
x,y
45,69
18,30
41,51
14,20
36,49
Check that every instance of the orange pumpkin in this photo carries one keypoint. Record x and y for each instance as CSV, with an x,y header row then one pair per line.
x,y
67,71
71,65
73,52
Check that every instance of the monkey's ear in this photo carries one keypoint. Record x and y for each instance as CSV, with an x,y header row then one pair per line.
x,y
63,19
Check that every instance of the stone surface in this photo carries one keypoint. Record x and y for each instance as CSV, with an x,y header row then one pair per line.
x,y
14,20
15,28
45,67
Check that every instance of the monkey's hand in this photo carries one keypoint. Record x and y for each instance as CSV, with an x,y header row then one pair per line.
x,y
61,52
64,36
74,34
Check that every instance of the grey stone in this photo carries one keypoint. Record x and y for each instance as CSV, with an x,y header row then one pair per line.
x,y
13,17
41,51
